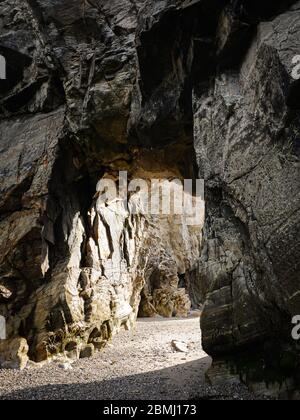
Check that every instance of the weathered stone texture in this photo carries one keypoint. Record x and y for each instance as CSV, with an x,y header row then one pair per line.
x,y
247,125
160,90
72,268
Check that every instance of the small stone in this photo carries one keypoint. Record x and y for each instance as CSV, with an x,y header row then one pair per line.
x,y
99,344
14,353
65,366
87,351
72,345
180,346
72,350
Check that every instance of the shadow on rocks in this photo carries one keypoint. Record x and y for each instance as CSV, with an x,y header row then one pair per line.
x,y
182,382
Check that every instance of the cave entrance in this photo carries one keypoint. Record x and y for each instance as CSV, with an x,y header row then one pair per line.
x,y
172,286
168,297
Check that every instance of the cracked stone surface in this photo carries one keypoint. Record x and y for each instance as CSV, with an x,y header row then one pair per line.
x,y
72,269
247,146
170,89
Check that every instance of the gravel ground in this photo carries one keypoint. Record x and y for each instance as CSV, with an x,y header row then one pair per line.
x,y
138,365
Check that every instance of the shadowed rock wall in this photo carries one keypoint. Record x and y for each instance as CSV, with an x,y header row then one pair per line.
x,y
172,89
72,269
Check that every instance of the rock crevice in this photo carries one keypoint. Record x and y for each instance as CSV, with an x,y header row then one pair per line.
x,y
169,89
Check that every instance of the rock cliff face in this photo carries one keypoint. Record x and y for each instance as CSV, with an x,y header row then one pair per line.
x,y
72,268
167,89
247,125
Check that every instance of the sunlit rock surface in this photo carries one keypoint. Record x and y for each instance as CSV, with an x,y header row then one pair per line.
x,y
73,270
173,90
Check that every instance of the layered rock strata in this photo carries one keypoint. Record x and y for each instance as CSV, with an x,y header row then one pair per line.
x,y
169,89
72,269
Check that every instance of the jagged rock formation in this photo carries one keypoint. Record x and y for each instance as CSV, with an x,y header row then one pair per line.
x,y
173,257
72,269
247,126
155,89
